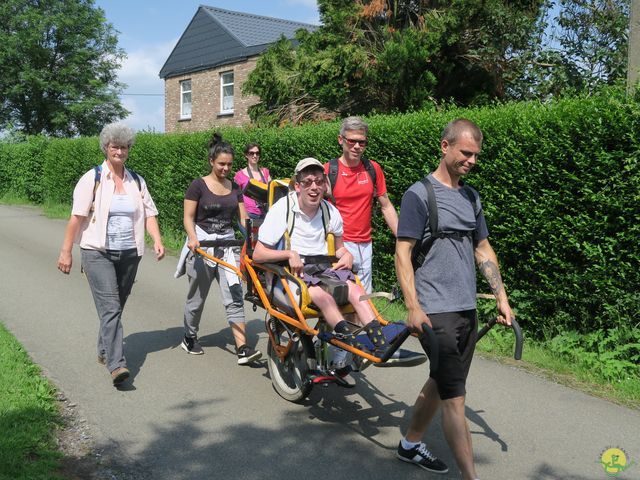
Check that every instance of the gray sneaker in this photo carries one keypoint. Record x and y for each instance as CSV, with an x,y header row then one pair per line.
x,y
191,345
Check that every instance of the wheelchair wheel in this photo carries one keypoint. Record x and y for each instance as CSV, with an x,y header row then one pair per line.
x,y
290,378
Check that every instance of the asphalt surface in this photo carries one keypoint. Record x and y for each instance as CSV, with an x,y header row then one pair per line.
x,y
197,417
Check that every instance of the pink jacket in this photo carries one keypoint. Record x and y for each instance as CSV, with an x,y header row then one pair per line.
x,y
93,233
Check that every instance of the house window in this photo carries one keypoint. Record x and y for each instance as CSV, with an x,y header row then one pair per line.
x,y
185,99
226,92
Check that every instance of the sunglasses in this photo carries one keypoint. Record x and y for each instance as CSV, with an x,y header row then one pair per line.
x,y
306,183
253,154
352,141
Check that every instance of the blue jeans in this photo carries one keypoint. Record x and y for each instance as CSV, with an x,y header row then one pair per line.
x,y
110,275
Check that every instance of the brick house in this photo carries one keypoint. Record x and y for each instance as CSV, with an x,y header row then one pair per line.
x,y
205,71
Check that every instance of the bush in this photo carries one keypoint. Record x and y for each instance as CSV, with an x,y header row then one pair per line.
x,y
558,182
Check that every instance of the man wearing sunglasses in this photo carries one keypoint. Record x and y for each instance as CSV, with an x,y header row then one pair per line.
x,y
308,239
357,182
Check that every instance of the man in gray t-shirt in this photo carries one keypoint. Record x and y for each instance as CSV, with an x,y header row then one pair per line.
x,y
446,281
442,292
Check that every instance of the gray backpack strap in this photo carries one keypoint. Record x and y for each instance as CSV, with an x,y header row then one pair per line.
x,y
420,250
468,192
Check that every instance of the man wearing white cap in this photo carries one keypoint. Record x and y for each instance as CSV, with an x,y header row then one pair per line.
x,y
308,238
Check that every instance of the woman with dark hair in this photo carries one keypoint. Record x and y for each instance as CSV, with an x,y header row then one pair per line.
x,y
112,208
252,170
211,205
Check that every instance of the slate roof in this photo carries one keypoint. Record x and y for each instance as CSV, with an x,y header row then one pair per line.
x,y
217,37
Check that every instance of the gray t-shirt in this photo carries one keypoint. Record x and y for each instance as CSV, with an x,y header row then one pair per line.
x,y
446,281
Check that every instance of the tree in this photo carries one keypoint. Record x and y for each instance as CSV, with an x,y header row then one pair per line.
x,y
59,68
585,48
394,55
594,37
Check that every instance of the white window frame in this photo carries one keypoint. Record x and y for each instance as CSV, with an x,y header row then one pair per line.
x,y
183,91
223,84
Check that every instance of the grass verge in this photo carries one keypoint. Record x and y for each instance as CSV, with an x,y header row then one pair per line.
x,y
28,416
49,209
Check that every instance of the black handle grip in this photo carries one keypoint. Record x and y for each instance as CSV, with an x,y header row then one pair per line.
x,y
518,333
516,330
222,243
429,343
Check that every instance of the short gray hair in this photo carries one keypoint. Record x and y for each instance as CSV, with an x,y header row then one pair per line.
x,y
353,123
117,134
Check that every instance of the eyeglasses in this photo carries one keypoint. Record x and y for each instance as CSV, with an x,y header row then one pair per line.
x,y
352,141
253,154
115,148
306,183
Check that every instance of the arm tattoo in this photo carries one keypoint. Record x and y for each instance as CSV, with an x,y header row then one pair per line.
x,y
491,272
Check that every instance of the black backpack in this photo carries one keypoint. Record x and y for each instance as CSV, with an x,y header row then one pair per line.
x,y
421,249
333,175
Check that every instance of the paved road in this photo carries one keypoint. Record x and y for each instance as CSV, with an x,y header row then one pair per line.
x,y
196,417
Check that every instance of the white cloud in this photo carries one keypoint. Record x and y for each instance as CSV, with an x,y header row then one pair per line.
x,y
141,67
144,95
147,113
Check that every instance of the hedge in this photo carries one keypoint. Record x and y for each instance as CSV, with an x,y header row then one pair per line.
x,y
558,182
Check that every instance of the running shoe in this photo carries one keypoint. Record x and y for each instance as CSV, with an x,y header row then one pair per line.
x,y
192,346
247,354
423,458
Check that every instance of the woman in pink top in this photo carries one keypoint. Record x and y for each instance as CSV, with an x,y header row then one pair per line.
x,y
111,210
252,170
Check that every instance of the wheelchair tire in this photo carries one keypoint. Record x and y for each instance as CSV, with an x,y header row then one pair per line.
x,y
290,378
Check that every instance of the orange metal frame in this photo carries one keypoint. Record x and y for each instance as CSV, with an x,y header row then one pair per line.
x,y
299,323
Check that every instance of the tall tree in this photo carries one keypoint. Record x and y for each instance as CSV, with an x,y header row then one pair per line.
x,y
584,46
394,55
594,36
59,67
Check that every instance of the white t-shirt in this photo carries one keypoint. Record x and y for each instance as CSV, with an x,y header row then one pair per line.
x,y
308,237
120,223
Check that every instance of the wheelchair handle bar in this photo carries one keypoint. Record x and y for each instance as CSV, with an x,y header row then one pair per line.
x,y
516,330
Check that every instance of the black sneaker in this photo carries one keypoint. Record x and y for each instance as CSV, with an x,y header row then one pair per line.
x,y
403,358
247,354
420,456
191,345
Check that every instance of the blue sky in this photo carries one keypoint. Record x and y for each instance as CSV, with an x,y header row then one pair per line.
x,y
150,29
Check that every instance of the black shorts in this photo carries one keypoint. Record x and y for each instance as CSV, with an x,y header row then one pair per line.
x,y
457,333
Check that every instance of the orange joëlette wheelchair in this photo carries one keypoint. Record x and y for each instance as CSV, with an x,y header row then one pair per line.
x,y
298,352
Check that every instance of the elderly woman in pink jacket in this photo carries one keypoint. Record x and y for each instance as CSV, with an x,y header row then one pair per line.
x,y
111,210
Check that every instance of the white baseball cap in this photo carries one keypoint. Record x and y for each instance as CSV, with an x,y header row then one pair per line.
x,y
307,162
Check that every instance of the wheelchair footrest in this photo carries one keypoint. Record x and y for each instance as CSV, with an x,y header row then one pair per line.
x,y
390,332
393,333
